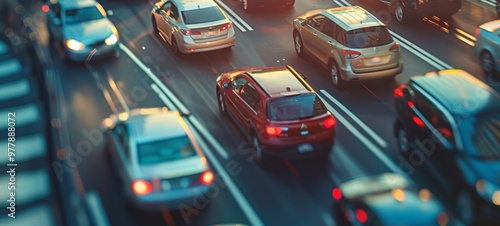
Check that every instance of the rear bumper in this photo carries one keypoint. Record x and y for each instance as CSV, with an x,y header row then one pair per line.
x,y
189,46
349,75
171,200
290,149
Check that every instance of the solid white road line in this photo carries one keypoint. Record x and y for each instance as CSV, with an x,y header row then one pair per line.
x,y
162,96
223,153
370,132
242,29
339,156
234,14
240,199
14,90
118,93
372,147
96,208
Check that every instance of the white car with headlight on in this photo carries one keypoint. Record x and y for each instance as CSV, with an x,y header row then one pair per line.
x,y
158,159
82,28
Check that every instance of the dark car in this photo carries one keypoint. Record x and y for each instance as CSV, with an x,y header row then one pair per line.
x,y
449,122
388,199
408,10
254,4
277,110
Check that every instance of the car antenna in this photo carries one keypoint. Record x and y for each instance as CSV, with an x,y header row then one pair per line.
x,y
288,89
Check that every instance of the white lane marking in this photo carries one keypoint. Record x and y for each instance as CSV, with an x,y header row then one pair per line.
x,y
31,185
96,208
223,153
339,157
422,54
27,148
245,206
370,132
105,92
238,196
328,219
491,3
236,23
14,89
234,14
118,93
25,115
372,147
162,96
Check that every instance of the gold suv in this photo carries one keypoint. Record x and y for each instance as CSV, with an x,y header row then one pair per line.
x,y
350,41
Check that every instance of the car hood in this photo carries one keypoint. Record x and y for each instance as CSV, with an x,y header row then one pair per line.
x,y
476,168
90,31
309,13
178,168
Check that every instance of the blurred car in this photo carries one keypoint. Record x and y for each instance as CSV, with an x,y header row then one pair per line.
x,y
191,26
449,122
497,7
158,158
83,29
351,42
254,4
386,200
406,11
487,46
277,110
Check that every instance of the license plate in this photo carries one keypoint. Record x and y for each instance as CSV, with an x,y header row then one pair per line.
x,y
376,60
305,148
210,33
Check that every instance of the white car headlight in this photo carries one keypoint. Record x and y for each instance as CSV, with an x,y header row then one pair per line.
x,y
488,191
74,45
112,39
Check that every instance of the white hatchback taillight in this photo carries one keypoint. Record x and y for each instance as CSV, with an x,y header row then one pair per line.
x,y
395,47
226,27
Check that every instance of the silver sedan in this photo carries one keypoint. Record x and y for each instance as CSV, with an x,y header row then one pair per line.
x,y
158,158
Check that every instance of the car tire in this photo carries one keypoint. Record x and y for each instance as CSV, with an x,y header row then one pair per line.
x,y
487,62
175,47
155,26
403,141
334,73
297,40
221,103
260,157
400,14
466,206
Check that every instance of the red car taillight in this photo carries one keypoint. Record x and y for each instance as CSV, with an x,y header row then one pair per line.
x,y
273,130
395,47
398,92
329,122
361,216
418,121
142,187
226,27
190,32
207,177
351,54
337,194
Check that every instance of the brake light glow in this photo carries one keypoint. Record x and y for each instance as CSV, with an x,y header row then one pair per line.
x,y
45,8
418,121
476,32
351,54
410,104
190,32
226,27
207,177
336,194
329,122
398,92
395,47
273,130
142,187
442,219
361,216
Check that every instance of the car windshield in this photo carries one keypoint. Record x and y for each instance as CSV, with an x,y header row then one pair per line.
x,y
166,150
481,135
83,15
204,15
368,37
295,107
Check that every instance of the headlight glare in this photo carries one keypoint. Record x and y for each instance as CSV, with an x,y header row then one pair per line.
x,y
74,45
112,39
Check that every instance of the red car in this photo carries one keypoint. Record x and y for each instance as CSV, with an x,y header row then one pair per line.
x,y
278,111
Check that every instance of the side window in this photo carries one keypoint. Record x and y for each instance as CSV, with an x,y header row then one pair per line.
x,y
56,8
251,96
316,21
437,118
123,138
329,28
166,8
237,84
174,14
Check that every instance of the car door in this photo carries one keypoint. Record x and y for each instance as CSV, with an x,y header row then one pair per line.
x,y
233,99
164,20
120,151
54,21
310,34
327,43
250,106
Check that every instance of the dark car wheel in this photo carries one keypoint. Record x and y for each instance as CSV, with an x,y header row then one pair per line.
x,y
487,63
299,48
335,75
175,47
153,23
259,153
403,141
466,207
400,14
221,102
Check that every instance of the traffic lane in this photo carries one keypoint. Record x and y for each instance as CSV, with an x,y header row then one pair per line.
x,y
86,107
